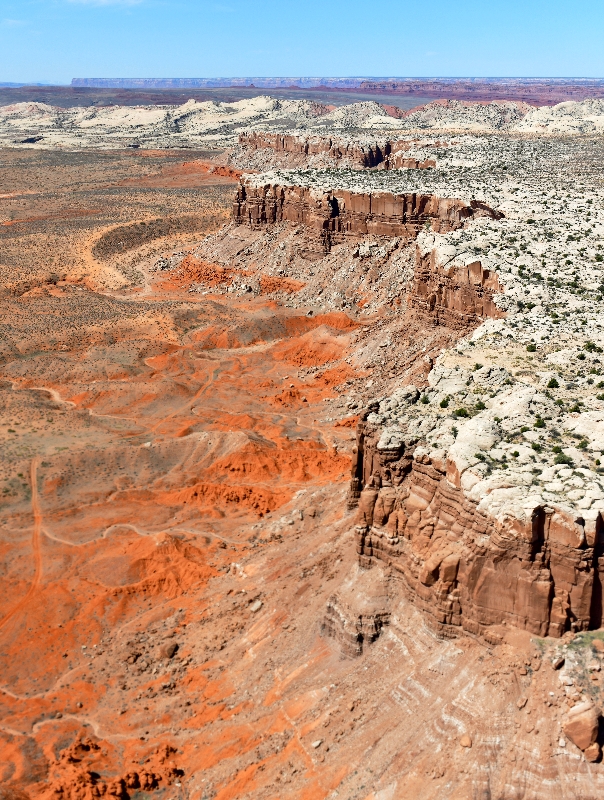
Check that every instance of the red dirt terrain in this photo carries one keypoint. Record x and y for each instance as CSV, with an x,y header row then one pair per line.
x,y
174,529
157,469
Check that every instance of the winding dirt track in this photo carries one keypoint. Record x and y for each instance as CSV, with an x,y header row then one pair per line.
x,y
35,503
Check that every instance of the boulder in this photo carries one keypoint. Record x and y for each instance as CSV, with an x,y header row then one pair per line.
x,y
593,752
448,568
581,725
168,650
356,614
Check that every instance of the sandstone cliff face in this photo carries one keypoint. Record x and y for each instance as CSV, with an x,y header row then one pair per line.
x,y
451,292
347,213
369,155
364,155
466,569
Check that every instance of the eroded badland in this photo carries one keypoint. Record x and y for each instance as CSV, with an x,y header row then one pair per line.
x,y
302,424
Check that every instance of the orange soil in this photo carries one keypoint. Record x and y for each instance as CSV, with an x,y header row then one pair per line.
x,y
35,503
315,347
270,284
187,174
192,269
148,497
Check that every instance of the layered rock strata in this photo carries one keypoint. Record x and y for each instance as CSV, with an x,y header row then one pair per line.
x,y
474,550
451,291
357,612
337,214
364,155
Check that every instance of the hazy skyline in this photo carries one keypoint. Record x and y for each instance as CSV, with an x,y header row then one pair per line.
x,y
57,40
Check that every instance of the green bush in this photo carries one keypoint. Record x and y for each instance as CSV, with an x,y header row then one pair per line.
x,y
531,348
553,384
461,412
480,406
444,403
536,447
563,459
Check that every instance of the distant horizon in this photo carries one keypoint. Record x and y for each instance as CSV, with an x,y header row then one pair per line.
x,y
401,92
228,81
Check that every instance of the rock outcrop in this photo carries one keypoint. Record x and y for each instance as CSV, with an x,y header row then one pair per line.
x,y
466,569
450,291
358,611
386,154
581,725
337,214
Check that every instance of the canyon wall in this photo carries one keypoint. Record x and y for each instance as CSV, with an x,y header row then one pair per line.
x,y
448,293
541,572
386,154
345,213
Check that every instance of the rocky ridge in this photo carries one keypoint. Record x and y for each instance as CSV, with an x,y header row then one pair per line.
x,y
191,124
216,125
511,454
343,213
262,151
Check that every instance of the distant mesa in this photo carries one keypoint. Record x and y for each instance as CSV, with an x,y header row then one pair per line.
x,y
219,83
537,91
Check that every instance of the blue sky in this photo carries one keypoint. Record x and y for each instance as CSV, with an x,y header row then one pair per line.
x,y
56,40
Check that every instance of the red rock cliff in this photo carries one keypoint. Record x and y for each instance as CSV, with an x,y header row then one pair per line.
x,y
450,293
466,570
352,213
387,154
